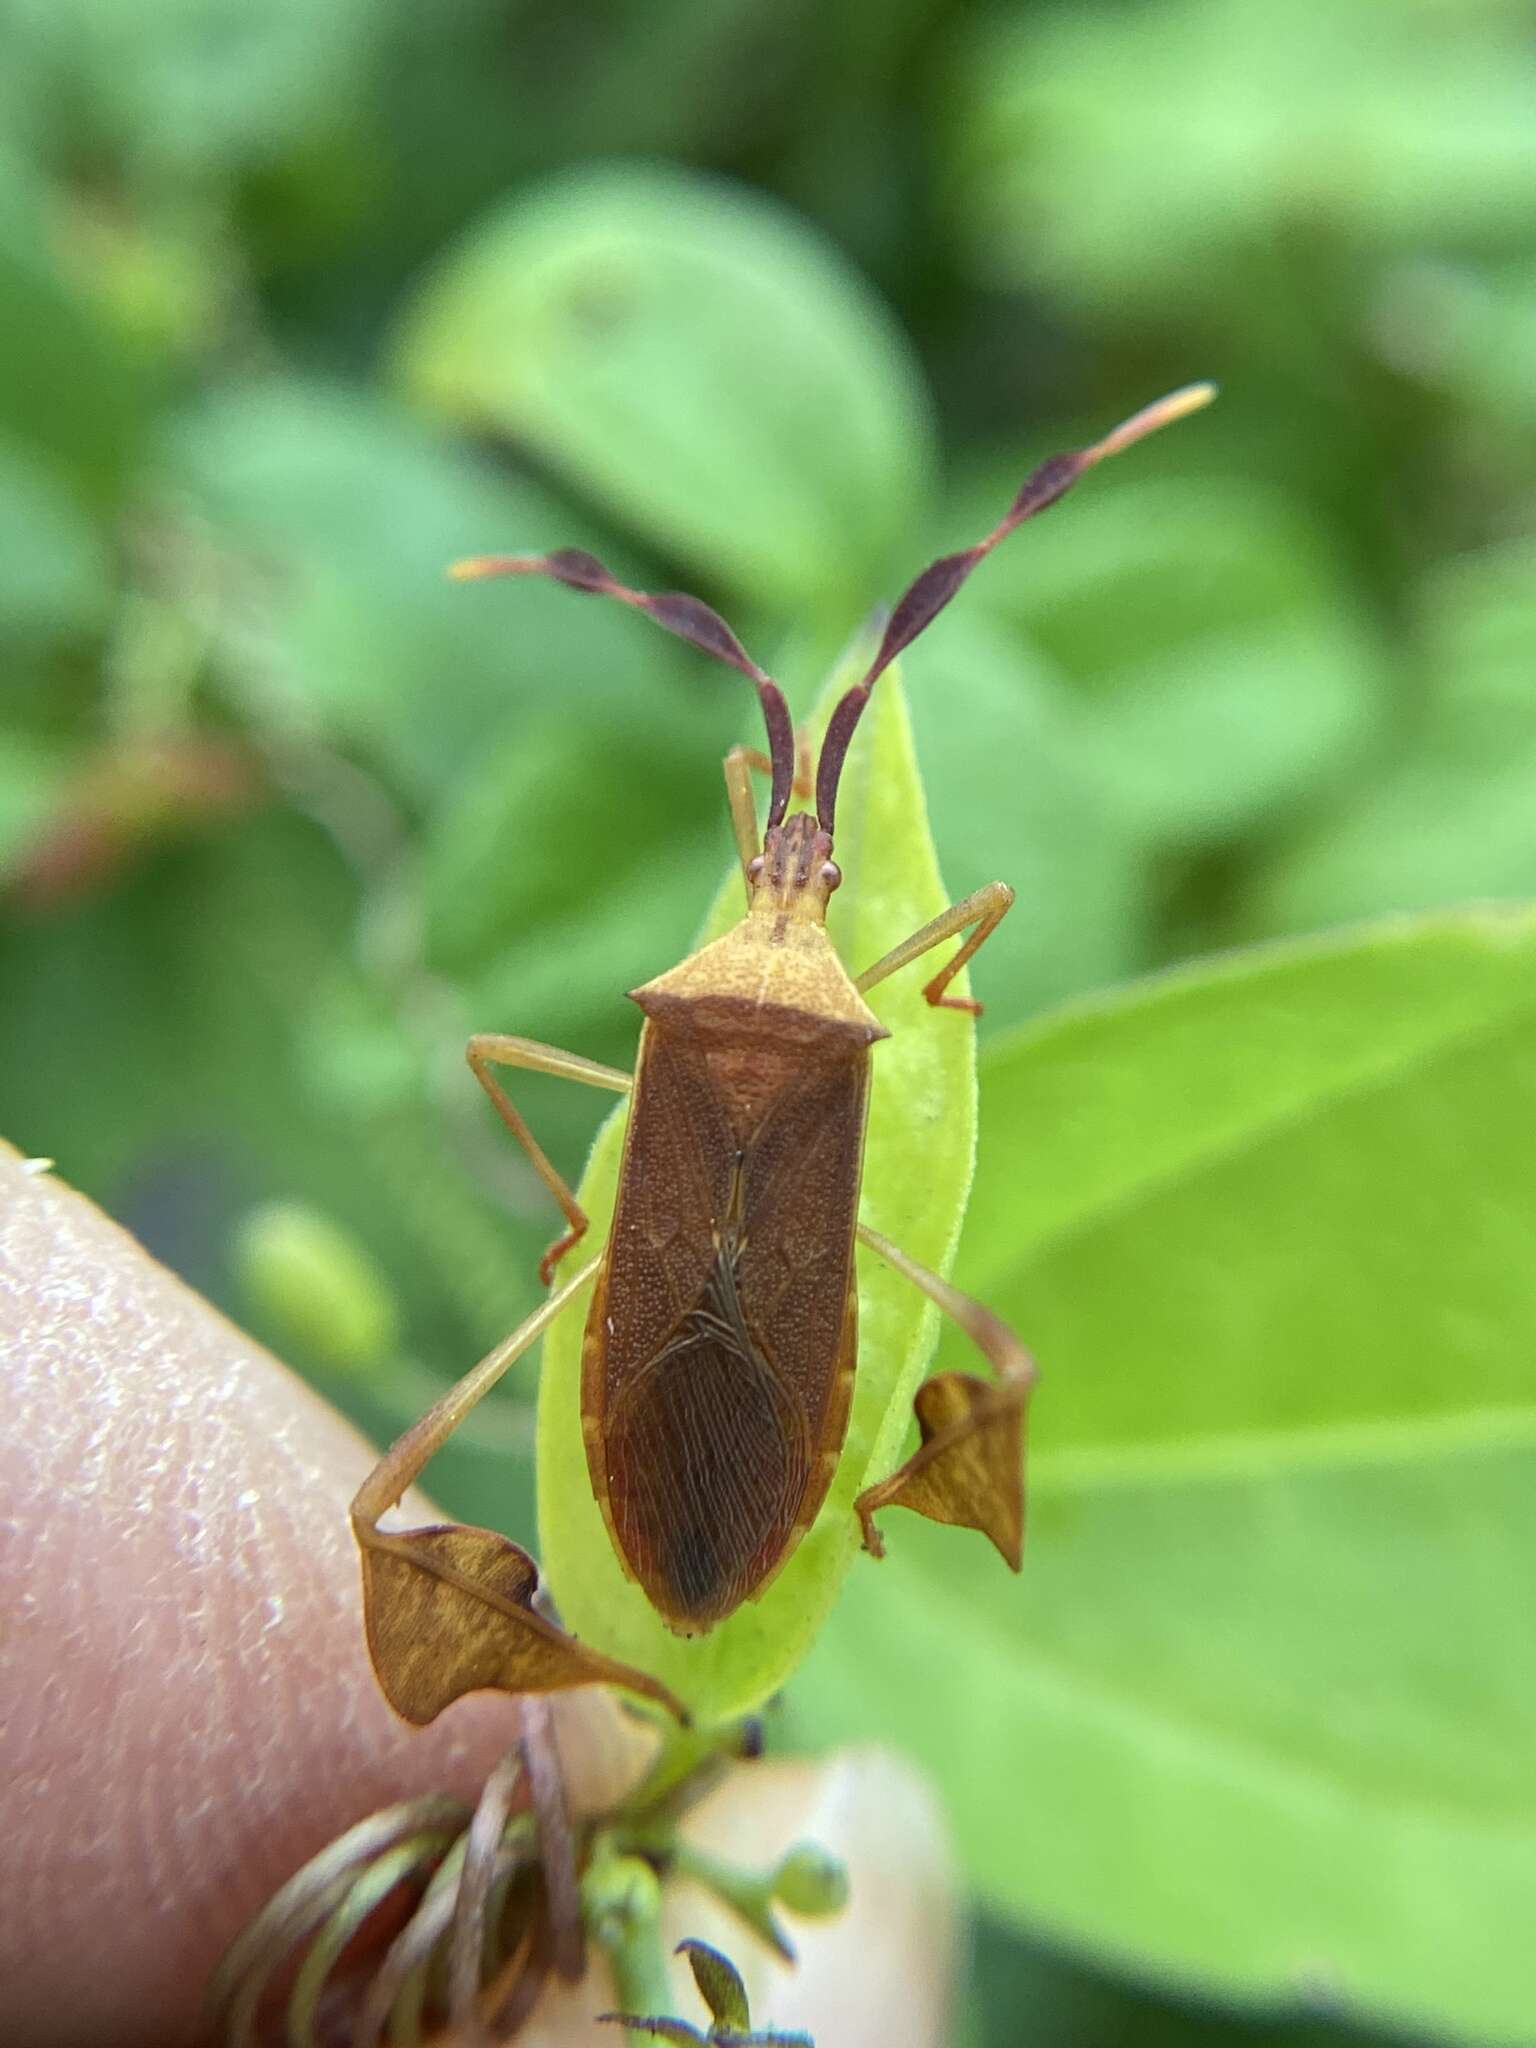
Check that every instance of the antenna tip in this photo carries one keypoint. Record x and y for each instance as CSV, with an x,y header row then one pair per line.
x,y
1187,399
473,567
1162,412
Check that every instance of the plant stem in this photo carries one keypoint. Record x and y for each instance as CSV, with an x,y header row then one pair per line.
x,y
640,1979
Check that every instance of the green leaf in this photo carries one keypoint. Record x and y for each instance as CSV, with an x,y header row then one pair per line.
x,y
1262,1709
1017,792
1467,332
1138,160
265,1065
58,582
917,1171
69,393
183,89
698,362
563,867
344,514
34,776
1454,816
1219,666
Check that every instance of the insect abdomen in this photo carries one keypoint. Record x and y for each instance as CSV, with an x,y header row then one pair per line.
x,y
719,1350
707,1466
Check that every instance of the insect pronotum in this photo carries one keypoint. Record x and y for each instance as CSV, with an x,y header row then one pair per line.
x,y
721,1340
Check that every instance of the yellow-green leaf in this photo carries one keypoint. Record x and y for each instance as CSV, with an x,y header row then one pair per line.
x,y
1263,1709
917,1174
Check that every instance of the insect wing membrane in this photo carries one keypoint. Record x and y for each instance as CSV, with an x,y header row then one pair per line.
x,y
719,1354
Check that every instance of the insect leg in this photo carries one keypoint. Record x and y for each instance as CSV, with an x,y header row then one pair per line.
x,y
985,908
489,1049
969,1468
450,1609
739,763
805,769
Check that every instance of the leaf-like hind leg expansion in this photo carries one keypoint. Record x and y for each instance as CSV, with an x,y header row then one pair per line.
x,y
985,908
969,1468
489,1049
450,1609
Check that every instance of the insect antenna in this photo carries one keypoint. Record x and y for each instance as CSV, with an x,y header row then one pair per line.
x,y
927,596
688,617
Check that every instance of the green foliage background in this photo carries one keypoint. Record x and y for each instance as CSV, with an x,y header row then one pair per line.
x,y
774,301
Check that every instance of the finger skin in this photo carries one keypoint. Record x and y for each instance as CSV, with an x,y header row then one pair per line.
x,y
187,1711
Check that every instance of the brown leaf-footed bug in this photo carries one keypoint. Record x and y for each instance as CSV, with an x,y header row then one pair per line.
x,y
721,1340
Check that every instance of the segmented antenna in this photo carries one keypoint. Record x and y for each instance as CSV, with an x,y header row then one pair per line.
x,y
927,596
688,617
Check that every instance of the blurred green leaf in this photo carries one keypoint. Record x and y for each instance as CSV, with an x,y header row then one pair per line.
x,y
70,394
1016,793
1073,1999
342,515
1133,158
149,1051
181,88
34,774
318,1283
1454,815
917,1170
698,362
581,843
1467,331
1220,664
58,582
1262,1709
202,1039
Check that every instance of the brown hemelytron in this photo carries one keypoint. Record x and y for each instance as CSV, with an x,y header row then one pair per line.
x,y
722,1336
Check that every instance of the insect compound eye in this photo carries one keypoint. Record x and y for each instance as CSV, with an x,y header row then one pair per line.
x,y
831,875
754,867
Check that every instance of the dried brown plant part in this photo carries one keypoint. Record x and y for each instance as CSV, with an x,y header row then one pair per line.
x,y
512,1905
468,1931
399,1982
480,1892
557,1843
524,1974
555,1928
312,1995
403,1839
968,1469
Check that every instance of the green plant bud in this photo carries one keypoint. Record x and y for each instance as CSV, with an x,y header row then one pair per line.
x,y
318,1284
620,1896
811,1881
